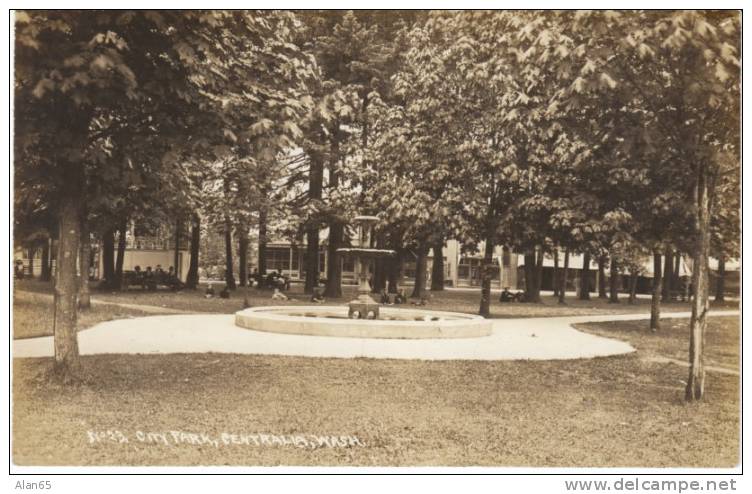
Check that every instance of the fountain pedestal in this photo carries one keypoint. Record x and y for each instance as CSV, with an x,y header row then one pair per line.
x,y
364,307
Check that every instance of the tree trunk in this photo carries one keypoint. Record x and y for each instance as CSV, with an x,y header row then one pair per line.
x,y
613,282
333,287
675,281
720,284
176,257
393,274
655,304
191,280
30,252
379,268
66,289
108,258
557,275
585,277
315,188
529,270
668,276
46,271
262,240
421,265
437,270
633,286
602,277
120,255
243,254
487,273
563,286
229,276
698,323
538,276
84,294
312,260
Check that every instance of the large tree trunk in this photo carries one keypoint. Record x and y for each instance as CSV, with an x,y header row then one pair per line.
x,y
312,260
655,304
108,258
602,277
563,286
668,276
720,284
191,280
421,265
46,271
675,281
557,275
120,254
262,240
66,289
229,276
380,267
698,323
333,287
243,254
530,275
315,188
487,272
437,270
176,256
585,277
84,294
633,286
613,282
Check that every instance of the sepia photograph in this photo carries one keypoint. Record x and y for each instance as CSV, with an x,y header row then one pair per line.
x,y
507,239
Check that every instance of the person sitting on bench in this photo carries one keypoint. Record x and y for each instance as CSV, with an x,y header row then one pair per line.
x,y
209,291
506,295
385,297
400,298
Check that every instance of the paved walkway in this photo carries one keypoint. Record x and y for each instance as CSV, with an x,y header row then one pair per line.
x,y
512,339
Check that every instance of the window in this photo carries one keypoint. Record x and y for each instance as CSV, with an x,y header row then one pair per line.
x,y
278,258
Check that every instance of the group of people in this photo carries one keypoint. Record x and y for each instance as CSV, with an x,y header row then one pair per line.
x,y
399,297
507,296
150,279
275,279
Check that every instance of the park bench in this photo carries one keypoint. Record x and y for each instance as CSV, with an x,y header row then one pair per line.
x,y
150,281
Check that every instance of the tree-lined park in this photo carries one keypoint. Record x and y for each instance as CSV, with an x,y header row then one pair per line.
x,y
614,136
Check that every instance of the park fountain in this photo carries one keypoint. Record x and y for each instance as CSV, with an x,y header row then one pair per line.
x,y
364,307
363,317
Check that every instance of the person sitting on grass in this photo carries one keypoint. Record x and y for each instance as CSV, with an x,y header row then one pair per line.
x,y
506,295
225,293
385,300
317,296
277,295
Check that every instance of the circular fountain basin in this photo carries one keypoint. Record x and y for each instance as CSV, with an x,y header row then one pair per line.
x,y
318,320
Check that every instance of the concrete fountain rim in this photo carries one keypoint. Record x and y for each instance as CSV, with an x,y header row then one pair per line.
x,y
274,320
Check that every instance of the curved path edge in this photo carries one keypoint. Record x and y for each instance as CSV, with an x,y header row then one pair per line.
x,y
511,339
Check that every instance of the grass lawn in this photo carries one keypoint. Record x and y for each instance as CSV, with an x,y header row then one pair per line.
x,y
616,411
451,300
32,315
619,411
722,338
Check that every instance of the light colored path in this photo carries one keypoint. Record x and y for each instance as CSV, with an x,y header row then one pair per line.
x,y
512,339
